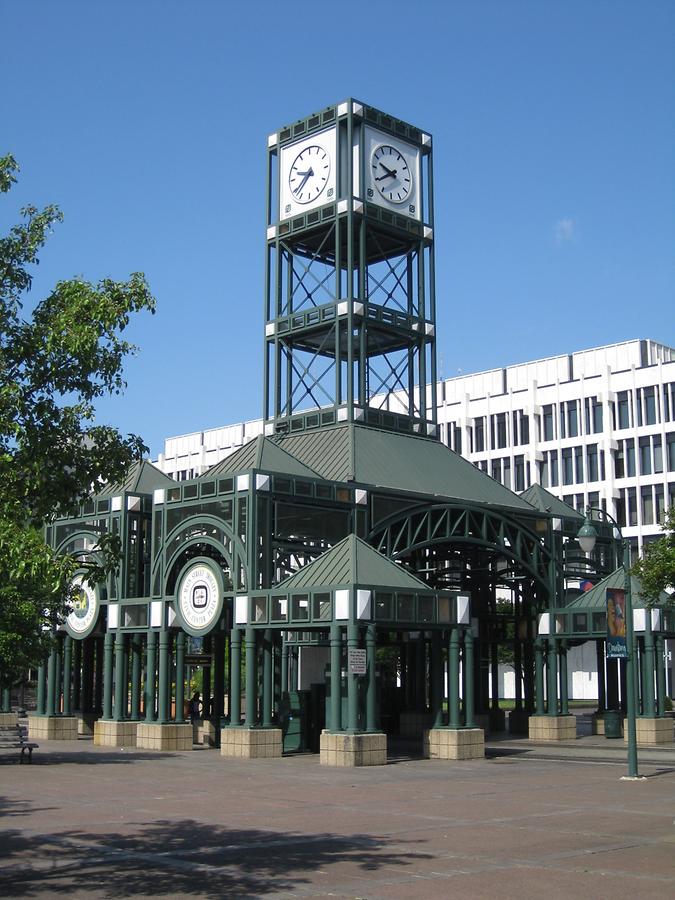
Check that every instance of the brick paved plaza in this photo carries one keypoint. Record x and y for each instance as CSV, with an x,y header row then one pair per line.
x,y
99,822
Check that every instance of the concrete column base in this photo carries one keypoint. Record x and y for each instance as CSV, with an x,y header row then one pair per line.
x,y
86,723
552,728
207,734
251,743
650,732
164,737
350,750
108,733
598,723
52,728
413,724
454,743
9,718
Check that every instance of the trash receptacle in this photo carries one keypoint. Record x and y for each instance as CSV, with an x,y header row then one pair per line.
x,y
613,726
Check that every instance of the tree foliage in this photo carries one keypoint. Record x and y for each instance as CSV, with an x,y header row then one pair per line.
x,y
54,364
656,568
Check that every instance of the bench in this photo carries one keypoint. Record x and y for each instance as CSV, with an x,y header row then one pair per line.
x,y
15,737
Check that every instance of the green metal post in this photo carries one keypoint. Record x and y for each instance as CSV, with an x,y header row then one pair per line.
x,y
77,675
469,705
58,675
235,677
251,678
180,676
206,680
436,691
267,679
420,672
284,665
335,678
164,682
87,694
218,643
564,695
539,676
67,674
99,677
371,692
631,673
120,704
135,677
552,677
649,708
352,682
150,676
453,678
6,705
41,689
602,684
660,677
108,674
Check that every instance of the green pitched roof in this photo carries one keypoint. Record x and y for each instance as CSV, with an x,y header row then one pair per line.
x,y
403,462
261,453
142,478
352,562
544,501
596,599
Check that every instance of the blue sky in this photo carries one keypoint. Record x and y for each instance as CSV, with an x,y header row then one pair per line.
x,y
147,121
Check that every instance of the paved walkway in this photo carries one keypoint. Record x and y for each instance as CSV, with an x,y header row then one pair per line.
x,y
84,821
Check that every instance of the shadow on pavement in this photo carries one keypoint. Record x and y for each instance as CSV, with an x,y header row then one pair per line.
x,y
183,858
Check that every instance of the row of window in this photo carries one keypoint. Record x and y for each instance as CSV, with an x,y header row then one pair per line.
x,y
644,406
647,457
646,507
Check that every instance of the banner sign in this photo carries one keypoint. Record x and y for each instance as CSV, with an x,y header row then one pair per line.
x,y
616,624
356,661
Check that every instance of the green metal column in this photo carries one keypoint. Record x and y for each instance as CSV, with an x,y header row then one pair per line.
x,y
564,697
6,702
235,677
58,675
602,686
649,705
77,675
469,705
539,676
436,687
180,676
352,682
150,676
67,674
277,639
136,677
164,678
251,678
552,678
453,678
335,723
99,677
518,664
41,689
120,703
660,677
267,679
108,675
218,643
284,665
371,687
87,693
207,690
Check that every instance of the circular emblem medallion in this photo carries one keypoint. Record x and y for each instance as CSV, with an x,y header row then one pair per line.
x,y
84,608
200,598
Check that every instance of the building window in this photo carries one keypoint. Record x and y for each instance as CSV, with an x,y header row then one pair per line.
x,y
567,466
646,406
521,428
669,402
498,431
670,451
593,409
479,435
572,416
622,407
658,454
592,462
647,505
555,475
547,422
579,464
659,504
645,456
519,473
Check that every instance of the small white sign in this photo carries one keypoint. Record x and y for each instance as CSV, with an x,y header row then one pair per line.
x,y
84,607
199,599
356,659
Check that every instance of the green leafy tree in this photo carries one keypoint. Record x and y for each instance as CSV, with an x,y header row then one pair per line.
x,y
54,364
656,568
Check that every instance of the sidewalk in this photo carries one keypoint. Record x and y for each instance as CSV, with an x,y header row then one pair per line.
x,y
87,821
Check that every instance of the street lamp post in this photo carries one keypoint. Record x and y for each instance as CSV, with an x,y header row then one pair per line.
x,y
587,537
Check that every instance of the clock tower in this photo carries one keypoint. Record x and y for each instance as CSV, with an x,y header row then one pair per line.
x,y
349,287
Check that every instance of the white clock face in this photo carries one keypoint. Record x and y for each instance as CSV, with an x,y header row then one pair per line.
x,y
391,174
309,174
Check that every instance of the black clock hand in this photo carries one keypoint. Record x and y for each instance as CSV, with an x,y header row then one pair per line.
x,y
307,175
388,175
391,172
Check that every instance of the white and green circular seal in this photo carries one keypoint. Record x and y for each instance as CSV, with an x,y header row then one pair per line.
x,y
83,614
199,599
